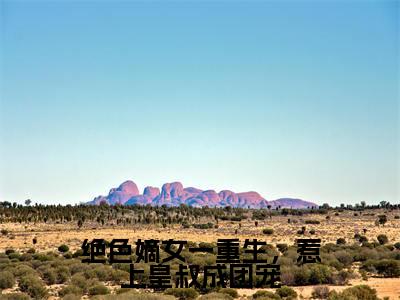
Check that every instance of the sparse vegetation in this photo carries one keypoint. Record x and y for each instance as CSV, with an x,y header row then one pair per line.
x,y
374,249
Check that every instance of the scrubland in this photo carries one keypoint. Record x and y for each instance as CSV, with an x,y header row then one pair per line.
x,y
360,252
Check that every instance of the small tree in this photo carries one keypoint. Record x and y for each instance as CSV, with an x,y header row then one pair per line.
x,y
286,292
382,239
7,280
63,248
382,219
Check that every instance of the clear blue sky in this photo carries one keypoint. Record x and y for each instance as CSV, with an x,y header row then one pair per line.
x,y
290,99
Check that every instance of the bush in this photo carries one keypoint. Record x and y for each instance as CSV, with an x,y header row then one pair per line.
x,y
344,257
63,274
7,280
33,287
23,270
63,248
286,292
14,255
15,296
320,292
182,294
397,245
98,289
49,276
382,239
77,253
4,231
268,231
387,267
359,292
265,295
70,289
80,281
117,276
231,292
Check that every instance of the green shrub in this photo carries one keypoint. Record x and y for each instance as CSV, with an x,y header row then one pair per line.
x,y
63,274
33,287
268,231
382,239
63,248
265,295
98,289
77,253
70,289
387,267
397,245
14,255
49,277
182,294
359,292
101,272
344,257
7,280
25,257
117,276
286,292
231,292
23,270
15,296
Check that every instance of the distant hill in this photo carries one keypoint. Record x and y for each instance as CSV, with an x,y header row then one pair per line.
x,y
174,194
